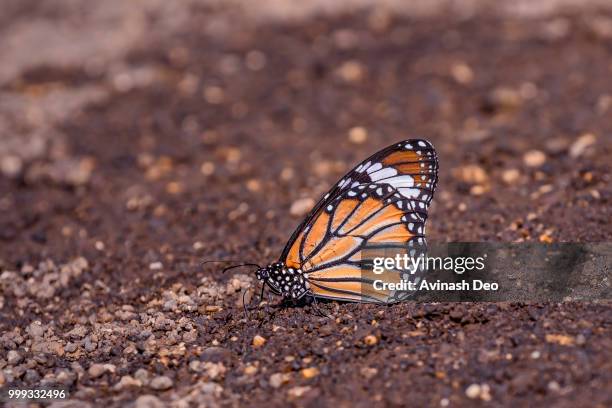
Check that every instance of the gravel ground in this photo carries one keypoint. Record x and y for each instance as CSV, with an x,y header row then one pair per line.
x,y
144,138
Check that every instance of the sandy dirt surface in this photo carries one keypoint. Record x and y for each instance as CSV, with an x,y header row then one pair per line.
x,y
139,138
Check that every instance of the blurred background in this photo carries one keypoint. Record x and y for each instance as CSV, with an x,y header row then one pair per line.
x,y
139,137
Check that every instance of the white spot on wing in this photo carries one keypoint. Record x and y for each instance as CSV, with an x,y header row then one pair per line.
x,y
374,167
385,173
409,192
363,167
401,181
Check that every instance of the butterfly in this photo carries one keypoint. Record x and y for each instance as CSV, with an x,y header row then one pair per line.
x,y
379,206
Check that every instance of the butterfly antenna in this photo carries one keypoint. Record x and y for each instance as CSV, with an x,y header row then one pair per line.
x,y
204,262
239,265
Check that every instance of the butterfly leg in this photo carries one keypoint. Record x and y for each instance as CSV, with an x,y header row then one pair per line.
x,y
244,305
263,286
267,314
315,307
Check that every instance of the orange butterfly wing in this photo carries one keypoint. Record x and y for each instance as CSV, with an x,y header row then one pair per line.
x,y
380,205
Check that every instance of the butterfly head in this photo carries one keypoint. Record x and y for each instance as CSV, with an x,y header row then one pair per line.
x,y
282,280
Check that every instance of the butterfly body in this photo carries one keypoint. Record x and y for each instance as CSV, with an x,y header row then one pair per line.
x,y
378,208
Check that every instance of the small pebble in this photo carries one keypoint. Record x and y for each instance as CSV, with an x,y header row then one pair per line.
x,y
253,185
478,190
31,376
250,370
127,381
207,168
214,95
297,392
473,391
561,339
554,386
351,71
255,60
142,375
310,372
36,329
278,379
301,206
174,187
214,370
368,372
13,357
580,145
358,135
156,266
471,173
66,377
96,370
462,73
546,238
506,98
148,401
485,392
11,166
603,103
195,366
534,158
258,341
287,174
370,340
161,383
510,176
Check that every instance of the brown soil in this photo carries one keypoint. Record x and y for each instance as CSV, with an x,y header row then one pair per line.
x,y
195,144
